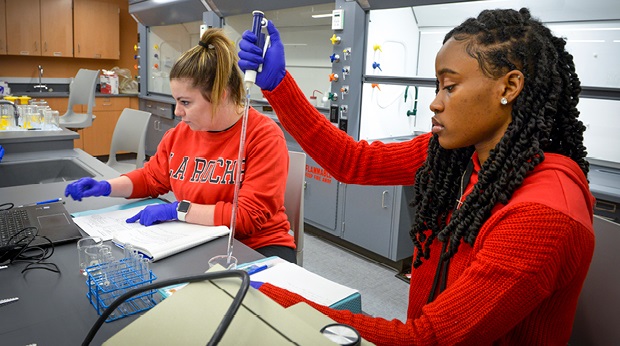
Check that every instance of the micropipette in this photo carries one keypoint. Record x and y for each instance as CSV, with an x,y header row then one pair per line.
x,y
229,261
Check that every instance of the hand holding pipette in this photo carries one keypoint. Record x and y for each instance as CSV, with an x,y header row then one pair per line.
x,y
252,57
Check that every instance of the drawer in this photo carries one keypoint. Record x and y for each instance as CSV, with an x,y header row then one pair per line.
x,y
104,103
161,109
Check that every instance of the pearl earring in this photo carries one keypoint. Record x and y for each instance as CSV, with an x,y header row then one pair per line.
x,y
503,101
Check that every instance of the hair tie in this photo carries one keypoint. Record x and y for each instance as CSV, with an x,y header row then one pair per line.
x,y
206,46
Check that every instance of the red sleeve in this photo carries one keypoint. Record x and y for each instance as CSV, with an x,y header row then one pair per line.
x,y
347,160
524,277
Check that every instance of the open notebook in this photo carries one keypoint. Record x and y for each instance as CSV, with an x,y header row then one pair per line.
x,y
157,241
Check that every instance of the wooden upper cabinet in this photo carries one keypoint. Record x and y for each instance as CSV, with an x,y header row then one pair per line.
x,y
23,27
96,31
39,27
2,27
56,28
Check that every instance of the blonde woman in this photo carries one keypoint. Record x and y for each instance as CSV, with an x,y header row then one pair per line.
x,y
197,159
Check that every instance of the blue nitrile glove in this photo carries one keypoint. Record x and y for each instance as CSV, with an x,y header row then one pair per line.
x,y
87,187
274,65
1,153
256,284
156,213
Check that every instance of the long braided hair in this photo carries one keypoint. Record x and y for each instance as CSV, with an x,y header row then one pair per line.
x,y
544,119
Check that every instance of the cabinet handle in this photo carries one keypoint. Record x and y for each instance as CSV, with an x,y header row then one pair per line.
x,y
45,46
79,51
383,199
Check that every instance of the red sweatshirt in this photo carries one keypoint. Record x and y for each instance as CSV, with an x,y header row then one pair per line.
x,y
199,166
518,284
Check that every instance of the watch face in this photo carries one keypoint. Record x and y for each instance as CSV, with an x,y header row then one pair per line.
x,y
183,206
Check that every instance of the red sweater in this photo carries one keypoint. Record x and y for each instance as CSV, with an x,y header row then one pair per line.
x,y
198,166
518,284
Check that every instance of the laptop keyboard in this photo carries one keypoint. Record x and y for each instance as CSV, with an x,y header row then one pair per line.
x,y
11,223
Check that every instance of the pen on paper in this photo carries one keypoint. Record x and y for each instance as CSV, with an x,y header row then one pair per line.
x,y
257,269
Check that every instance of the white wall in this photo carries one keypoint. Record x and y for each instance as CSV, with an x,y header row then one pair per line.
x,y
595,45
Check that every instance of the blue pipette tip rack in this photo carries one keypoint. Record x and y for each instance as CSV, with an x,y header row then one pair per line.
x,y
108,281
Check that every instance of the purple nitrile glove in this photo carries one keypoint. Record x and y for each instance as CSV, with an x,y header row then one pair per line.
x,y
87,187
156,213
274,64
1,153
256,284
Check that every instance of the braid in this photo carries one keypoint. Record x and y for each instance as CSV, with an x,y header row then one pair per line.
x,y
544,119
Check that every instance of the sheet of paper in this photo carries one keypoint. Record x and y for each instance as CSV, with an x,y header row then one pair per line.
x,y
305,283
106,224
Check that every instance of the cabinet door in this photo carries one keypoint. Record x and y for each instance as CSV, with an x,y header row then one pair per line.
x,y
23,27
3,27
368,215
97,138
59,104
96,31
56,28
157,127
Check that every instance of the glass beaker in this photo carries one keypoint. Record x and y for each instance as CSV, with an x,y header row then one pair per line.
x,y
32,118
7,117
51,119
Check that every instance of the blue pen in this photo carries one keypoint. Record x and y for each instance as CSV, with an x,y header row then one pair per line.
x,y
257,269
49,201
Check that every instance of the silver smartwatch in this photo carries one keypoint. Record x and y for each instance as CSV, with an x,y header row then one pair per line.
x,y
183,209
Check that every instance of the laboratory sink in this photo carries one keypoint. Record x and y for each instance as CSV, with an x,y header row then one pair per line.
x,y
41,172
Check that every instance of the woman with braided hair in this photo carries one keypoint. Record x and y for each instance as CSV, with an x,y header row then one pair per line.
x,y
503,234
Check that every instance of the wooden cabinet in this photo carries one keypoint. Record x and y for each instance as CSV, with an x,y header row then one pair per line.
x,y
58,104
97,138
96,29
3,27
23,27
56,28
35,27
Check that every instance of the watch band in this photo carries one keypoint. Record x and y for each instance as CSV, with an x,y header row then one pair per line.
x,y
183,209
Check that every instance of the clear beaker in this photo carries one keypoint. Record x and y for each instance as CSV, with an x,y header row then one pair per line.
x,y
7,117
51,119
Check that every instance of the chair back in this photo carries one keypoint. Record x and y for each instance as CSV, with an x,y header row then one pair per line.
x,y
81,92
294,199
597,319
129,136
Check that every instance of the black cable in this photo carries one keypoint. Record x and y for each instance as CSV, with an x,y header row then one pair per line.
x,y
6,206
221,328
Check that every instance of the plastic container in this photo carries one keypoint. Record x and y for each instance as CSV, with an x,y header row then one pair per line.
x,y
24,99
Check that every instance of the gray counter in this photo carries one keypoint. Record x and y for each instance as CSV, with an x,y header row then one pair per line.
x,y
32,141
25,194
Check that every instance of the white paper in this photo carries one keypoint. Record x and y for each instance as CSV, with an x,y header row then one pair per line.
x,y
163,239
305,283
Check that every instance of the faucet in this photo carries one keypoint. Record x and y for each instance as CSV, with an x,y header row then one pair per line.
x,y
15,111
40,86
